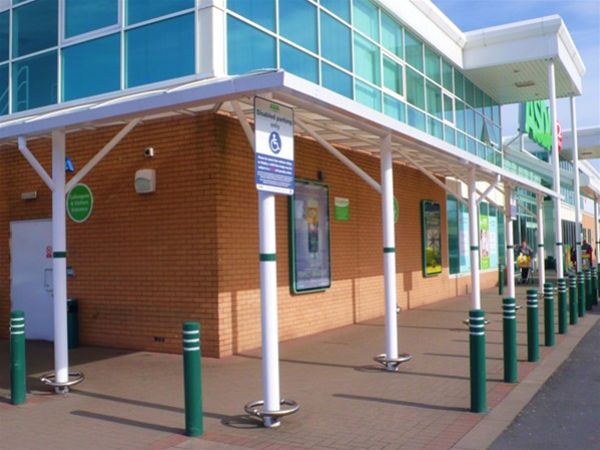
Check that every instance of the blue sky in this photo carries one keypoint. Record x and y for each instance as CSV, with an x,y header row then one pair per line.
x,y
582,18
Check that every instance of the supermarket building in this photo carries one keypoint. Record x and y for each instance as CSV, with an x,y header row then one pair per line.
x,y
152,107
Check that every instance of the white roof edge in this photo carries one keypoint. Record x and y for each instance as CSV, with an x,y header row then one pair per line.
x,y
441,20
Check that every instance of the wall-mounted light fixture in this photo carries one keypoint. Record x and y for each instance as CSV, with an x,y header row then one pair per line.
x,y
145,181
29,195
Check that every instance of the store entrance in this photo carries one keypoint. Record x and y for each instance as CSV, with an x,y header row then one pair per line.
x,y
31,276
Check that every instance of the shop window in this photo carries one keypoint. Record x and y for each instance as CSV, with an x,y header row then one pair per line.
x,y
394,108
92,67
413,50
298,23
299,63
4,90
82,16
161,51
248,48
35,27
392,76
415,118
4,29
415,88
367,95
434,100
459,85
142,10
336,80
391,35
34,81
447,79
340,8
366,18
367,60
432,65
336,45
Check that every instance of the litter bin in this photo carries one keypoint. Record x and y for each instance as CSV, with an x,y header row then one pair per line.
x,y
73,323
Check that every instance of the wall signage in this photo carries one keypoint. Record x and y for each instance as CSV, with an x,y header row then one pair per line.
x,y
342,209
80,203
274,147
535,121
310,264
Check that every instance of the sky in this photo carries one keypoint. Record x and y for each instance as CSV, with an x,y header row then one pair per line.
x,y
582,18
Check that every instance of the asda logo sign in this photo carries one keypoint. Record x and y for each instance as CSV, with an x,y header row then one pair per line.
x,y
535,121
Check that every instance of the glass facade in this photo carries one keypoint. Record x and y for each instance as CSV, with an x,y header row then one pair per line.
x,y
367,55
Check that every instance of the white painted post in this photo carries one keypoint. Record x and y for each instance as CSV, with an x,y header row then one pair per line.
x,y
268,302
510,244
474,240
578,228
59,261
389,251
556,171
540,238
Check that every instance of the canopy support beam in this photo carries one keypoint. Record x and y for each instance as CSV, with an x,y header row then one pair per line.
x,y
489,190
22,144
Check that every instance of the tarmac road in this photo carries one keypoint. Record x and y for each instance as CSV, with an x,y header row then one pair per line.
x,y
565,413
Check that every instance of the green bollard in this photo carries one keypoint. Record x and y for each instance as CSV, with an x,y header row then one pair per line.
x,y
597,285
562,306
192,376
588,289
18,372
549,315
533,341
509,331
477,359
580,294
594,275
572,299
500,279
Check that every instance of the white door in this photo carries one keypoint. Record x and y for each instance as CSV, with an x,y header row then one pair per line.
x,y
31,276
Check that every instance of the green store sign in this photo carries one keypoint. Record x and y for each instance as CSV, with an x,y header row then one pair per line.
x,y
80,203
536,122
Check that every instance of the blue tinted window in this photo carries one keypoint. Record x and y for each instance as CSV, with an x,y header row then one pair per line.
x,y
82,16
367,60
336,80
35,27
336,45
435,127
449,135
91,68
391,35
340,8
34,81
413,51
140,10
367,95
394,108
4,18
299,63
366,18
248,48
416,118
298,22
4,89
160,51
261,12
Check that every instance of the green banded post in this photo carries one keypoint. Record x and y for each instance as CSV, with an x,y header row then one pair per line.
x,y
18,371
562,306
594,275
477,360
500,279
533,342
192,377
549,315
572,299
509,331
580,294
588,289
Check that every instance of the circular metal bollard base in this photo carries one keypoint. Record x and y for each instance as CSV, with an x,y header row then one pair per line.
x,y
392,364
62,388
271,418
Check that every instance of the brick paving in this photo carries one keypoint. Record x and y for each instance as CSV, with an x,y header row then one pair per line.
x,y
134,400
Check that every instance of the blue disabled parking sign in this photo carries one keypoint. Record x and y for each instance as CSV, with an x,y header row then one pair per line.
x,y
274,145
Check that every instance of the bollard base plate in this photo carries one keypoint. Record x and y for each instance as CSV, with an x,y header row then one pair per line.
x,y
62,387
392,364
271,418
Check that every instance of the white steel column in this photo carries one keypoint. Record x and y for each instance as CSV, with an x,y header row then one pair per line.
x,y
556,171
389,250
474,240
540,238
268,302
59,261
578,228
510,244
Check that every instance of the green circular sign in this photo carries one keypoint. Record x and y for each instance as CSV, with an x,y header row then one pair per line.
x,y
80,202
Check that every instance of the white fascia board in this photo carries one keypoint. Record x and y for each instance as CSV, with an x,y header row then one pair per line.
x,y
570,67
430,24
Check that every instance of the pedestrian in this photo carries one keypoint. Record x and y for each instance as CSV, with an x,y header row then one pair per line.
x,y
524,253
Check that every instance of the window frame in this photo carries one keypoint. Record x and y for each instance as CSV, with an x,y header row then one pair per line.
x,y
100,32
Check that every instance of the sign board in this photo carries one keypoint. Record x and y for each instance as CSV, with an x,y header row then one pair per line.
x,y
535,122
342,208
274,146
80,203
